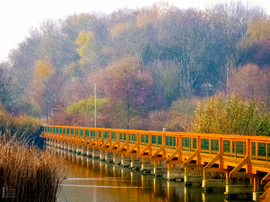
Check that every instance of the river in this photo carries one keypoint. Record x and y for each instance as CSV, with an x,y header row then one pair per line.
x,y
93,180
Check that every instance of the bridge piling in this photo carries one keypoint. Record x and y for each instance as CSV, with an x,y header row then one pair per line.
x,y
175,172
117,158
125,161
135,163
89,152
193,175
146,166
199,154
109,157
95,153
102,155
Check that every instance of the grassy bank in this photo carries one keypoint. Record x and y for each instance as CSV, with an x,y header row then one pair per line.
x,y
231,115
27,174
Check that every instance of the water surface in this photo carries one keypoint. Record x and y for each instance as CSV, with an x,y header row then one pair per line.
x,y
96,181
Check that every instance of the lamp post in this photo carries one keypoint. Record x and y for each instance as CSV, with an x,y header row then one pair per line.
x,y
95,105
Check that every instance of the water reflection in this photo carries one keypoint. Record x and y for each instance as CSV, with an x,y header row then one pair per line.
x,y
94,180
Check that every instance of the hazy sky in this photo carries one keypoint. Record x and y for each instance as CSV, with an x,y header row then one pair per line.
x,y
18,16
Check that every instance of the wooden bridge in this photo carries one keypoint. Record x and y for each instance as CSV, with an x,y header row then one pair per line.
x,y
239,164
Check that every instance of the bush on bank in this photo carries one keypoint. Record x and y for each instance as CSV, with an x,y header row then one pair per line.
x,y
231,116
23,126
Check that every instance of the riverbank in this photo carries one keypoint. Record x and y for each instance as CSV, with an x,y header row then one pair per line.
x,y
27,173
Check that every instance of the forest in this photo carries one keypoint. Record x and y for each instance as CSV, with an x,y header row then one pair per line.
x,y
151,66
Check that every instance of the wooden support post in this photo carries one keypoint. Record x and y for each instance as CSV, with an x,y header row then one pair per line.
x,y
228,179
256,183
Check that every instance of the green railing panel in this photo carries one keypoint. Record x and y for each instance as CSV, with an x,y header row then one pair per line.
x,y
121,136
76,132
57,130
53,129
132,137
68,131
106,134
268,148
72,131
261,149
61,130
167,141
154,139
87,134
99,134
142,138
253,148
81,132
214,145
226,146
159,140
125,136
204,144
93,134
194,141
240,147
185,142
113,135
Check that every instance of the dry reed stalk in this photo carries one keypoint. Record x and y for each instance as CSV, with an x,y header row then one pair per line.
x,y
28,174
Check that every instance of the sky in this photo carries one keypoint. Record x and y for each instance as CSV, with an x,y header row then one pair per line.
x,y
18,16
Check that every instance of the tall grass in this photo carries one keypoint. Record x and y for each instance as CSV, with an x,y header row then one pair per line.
x,y
231,116
31,174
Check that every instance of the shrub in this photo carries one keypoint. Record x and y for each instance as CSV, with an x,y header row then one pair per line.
x,y
26,125
231,116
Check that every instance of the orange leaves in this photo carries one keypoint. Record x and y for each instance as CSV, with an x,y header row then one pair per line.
x,y
119,29
43,70
157,10
259,28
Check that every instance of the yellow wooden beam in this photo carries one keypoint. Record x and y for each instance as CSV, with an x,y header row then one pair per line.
x,y
142,153
265,178
103,147
195,154
116,144
239,166
159,151
130,151
213,161
125,145
170,159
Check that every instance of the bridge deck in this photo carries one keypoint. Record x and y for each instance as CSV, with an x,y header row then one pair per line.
x,y
174,147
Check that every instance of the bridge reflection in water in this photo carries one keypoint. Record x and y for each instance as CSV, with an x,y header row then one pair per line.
x,y
237,165
90,179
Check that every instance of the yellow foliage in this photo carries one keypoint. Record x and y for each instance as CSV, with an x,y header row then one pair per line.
x,y
119,29
157,10
85,40
44,70
259,28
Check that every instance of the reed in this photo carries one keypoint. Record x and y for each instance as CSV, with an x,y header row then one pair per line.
x,y
28,174
232,115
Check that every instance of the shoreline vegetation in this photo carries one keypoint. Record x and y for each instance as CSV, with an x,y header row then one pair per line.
x,y
217,115
28,173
